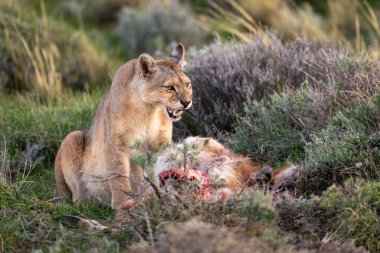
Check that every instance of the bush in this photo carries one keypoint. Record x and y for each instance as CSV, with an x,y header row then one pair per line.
x,y
275,130
159,26
44,55
100,12
348,146
305,126
278,129
258,207
352,212
225,76
106,10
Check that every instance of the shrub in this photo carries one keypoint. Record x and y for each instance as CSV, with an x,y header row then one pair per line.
x,y
306,126
106,10
158,26
352,210
275,130
258,207
45,56
225,76
348,146
101,12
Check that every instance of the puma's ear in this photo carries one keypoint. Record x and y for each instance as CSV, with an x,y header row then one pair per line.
x,y
147,64
178,54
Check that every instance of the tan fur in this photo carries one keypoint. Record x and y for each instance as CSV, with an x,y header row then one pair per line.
x,y
97,165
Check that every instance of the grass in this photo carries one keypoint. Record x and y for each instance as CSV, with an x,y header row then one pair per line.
x,y
25,121
313,104
58,57
353,24
29,222
27,218
352,211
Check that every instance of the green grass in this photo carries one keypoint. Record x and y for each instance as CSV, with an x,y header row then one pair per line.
x,y
27,218
24,120
353,212
29,221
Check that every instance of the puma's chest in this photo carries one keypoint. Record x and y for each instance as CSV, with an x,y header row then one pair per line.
x,y
150,129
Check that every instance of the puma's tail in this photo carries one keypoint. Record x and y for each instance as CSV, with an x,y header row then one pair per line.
x,y
81,223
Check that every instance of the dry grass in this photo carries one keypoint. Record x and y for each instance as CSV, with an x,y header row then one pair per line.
x,y
44,56
353,24
195,236
48,81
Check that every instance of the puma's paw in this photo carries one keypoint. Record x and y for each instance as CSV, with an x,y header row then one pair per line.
x,y
128,204
122,208
121,214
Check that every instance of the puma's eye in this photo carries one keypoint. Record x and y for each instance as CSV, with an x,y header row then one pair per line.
x,y
188,85
170,87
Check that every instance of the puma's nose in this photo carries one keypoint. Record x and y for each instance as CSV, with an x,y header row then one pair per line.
x,y
186,104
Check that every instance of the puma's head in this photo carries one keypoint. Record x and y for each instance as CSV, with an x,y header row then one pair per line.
x,y
165,84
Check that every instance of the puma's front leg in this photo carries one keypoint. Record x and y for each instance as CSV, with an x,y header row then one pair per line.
x,y
120,186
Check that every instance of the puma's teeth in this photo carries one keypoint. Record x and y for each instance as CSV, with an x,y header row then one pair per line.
x,y
177,112
174,113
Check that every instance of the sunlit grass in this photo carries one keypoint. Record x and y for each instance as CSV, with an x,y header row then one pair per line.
x,y
353,24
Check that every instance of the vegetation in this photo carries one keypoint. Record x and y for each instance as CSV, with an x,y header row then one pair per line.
x,y
353,24
45,56
352,211
279,81
158,25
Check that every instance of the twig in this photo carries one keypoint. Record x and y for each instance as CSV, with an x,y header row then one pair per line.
x,y
155,188
177,197
138,234
149,227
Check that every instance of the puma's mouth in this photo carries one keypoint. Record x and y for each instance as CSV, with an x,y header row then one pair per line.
x,y
174,114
